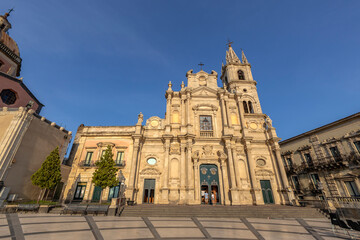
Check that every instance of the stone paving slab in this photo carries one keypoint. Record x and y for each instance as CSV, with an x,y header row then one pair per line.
x,y
223,224
169,219
81,235
51,227
231,233
126,234
4,231
285,236
122,224
64,227
46,219
187,223
180,232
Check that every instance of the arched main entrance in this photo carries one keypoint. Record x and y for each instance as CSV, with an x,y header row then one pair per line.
x,y
209,184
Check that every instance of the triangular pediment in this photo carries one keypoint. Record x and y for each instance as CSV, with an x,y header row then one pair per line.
x,y
204,91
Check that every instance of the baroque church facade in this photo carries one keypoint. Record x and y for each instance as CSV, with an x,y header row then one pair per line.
x,y
214,146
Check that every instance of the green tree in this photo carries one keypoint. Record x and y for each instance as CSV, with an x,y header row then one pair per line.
x,y
49,174
105,175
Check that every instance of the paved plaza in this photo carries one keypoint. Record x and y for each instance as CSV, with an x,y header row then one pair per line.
x,y
62,227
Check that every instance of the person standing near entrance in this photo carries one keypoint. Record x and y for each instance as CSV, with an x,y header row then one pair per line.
x,y
206,198
212,198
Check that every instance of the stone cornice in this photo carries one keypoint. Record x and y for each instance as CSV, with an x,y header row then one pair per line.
x,y
314,131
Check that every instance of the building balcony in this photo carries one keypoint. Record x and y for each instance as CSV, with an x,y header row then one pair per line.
x,y
120,164
327,163
290,169
85,164
206,133
330,163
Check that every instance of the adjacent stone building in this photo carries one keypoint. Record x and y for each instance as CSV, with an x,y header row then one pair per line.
x,y
325,160
213,146
26,138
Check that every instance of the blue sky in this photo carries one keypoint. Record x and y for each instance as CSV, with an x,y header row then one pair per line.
x,y
103,62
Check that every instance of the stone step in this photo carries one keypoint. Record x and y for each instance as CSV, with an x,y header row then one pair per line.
x,y
273,211
56,210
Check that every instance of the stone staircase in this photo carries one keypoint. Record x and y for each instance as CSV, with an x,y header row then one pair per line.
x,y
267,211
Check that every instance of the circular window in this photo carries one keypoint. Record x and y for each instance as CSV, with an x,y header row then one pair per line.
x,y
8,97
151,161
260,162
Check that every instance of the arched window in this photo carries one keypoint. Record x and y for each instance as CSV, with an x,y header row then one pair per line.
x,y
245,107
251,109
241,75
226,81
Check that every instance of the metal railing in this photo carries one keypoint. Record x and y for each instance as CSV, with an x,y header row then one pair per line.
x,y
86,164
206,134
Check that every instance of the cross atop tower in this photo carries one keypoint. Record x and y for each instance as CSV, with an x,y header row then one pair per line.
x,y
201,65
229,43
8,13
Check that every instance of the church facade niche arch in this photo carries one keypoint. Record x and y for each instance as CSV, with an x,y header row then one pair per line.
x,y
174,168
242,169
234,119
175,117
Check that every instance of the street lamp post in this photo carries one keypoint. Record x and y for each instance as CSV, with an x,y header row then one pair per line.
x,y
122,190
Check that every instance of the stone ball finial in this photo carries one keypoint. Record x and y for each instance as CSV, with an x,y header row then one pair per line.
x,y
170,85
182,85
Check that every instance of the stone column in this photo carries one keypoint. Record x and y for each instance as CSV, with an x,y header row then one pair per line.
x,y
190,172
165,189
225,180
231,165
134,164
183,115
189,125
228,113
197,181
168,113
182,173
281,168
234,190
236,166
277,176
251,165
223,111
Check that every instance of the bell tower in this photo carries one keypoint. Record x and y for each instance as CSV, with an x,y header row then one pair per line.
x,y
10,61
237,79
236,74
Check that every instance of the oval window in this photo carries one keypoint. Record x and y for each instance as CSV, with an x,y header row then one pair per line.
x,y
151,161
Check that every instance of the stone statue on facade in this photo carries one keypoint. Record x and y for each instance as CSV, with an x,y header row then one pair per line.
x,y
140,119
